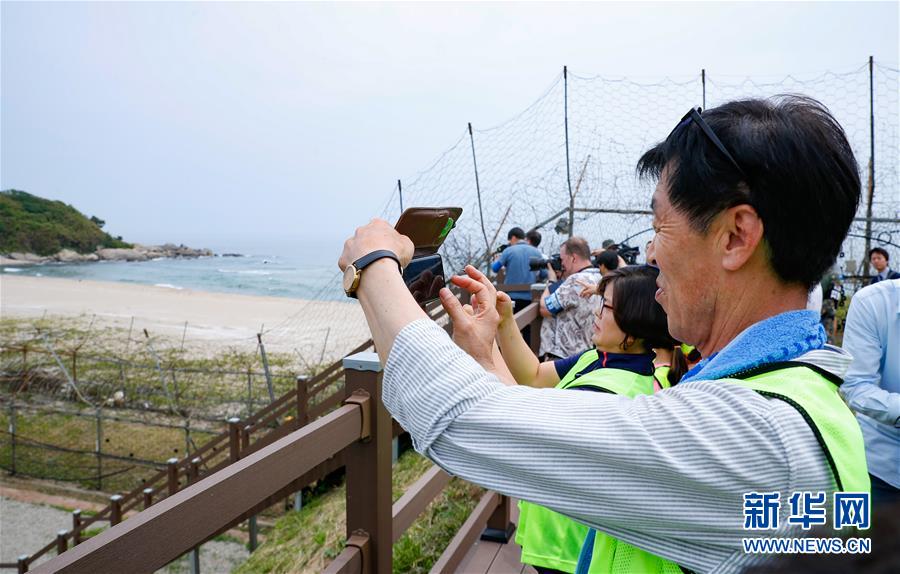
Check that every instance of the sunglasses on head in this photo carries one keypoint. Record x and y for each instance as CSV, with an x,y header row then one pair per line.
x,y
694,116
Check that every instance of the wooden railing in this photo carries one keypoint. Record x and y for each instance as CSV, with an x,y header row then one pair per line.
x,y
225,486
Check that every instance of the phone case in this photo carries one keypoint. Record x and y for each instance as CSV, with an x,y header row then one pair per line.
x,y
427,227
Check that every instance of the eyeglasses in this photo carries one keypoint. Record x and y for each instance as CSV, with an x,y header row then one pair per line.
x,y
694,115
603,306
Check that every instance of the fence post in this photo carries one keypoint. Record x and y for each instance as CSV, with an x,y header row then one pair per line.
x,y
148,498
61,543
12,435
537,290
25,365
22,563
234,438
253,531
245,437
99,450
76,527
249,392
302,401
499,526
568,170
115,509
172,475
870,191
368,464
265,362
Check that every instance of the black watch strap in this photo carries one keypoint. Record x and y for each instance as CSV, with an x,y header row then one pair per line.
x,y
367,260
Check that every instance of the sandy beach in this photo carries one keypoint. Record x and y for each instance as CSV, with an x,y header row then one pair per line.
x,y
314,328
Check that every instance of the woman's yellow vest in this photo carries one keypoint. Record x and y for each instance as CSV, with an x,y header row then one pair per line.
x,y
549,539
810,390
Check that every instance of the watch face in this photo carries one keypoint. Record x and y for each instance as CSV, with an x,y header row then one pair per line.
x,y
349,276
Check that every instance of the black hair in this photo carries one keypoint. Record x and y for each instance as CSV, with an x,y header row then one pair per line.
x,y
515,232
608,259
880,250
577,246
678,367
533,237
635,308
797,171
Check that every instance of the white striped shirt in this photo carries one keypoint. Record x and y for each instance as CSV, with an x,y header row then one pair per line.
x,y
665,472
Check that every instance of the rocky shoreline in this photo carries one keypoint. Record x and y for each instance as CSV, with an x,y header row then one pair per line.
x,y
136,253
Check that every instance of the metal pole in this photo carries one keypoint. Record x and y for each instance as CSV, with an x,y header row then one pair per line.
x,y
12,434
871,191
249,392
487,245
703,81
195,560
298,501
254,531
265,362
99,450
400,190
568,172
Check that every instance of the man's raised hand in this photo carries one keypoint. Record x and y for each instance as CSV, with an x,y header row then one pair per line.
x,y
474,331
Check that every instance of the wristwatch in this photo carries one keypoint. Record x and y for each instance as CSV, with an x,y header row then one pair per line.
x,y
354,271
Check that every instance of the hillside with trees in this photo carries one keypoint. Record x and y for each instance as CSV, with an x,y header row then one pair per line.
x,y
32,224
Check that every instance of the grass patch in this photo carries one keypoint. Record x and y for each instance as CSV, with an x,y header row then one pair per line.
x,y
308,540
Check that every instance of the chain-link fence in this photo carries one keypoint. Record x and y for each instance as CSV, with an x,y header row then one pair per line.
x,y
568,160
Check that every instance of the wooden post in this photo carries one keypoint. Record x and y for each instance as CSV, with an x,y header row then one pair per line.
x,y
302,401
368,465
76,527
115,505
245,437
499,526
234,438
536,291
148,498
172,475
194,470
61,543
22,563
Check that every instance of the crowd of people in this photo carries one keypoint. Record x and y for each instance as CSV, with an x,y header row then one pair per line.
x,y
631,451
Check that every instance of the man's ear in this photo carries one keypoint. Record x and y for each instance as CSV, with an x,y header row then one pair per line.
x,y
742,234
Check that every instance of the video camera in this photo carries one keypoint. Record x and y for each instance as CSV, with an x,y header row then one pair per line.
x,y
628,253
501,249
538,263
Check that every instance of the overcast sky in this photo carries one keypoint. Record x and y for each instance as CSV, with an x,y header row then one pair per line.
x,y
234,125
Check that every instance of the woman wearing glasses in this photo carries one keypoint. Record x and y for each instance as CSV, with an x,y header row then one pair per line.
x,y
628,324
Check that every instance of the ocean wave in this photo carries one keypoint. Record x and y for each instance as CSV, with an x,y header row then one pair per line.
x,y
245,271
11,269
167,286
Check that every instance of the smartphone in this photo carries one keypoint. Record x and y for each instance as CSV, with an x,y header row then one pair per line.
x,y
427,227
424,277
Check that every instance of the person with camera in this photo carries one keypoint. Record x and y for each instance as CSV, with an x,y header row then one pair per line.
x,y
515,258
571,313
752,198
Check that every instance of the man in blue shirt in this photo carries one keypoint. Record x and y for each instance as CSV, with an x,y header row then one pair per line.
x,y
515,258
872,384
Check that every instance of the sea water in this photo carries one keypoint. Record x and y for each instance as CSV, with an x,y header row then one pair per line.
x,y
298,275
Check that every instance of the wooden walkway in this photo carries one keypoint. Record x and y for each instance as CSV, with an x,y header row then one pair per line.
x,y
493,558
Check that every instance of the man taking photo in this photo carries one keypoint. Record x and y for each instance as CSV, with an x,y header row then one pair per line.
x,y
753,201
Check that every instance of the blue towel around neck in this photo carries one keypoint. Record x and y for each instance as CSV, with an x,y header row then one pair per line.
x,y
779,338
